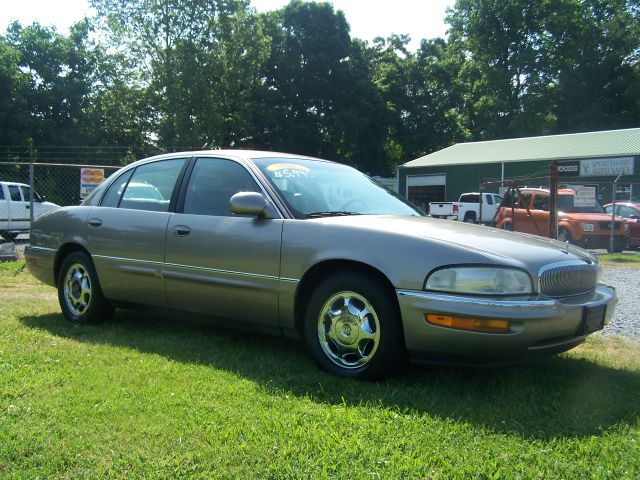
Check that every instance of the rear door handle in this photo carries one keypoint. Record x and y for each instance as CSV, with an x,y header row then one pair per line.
x,y
181,230
94,222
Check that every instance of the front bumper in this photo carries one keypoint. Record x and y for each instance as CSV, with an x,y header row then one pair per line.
x,y
538,325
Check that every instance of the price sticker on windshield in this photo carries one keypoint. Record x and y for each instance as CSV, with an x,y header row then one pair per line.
x,y
291,170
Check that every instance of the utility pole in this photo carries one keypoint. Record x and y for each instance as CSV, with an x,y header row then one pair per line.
x,y
31,189
553,201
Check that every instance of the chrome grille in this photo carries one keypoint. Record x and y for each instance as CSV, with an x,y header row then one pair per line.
x,y
567,278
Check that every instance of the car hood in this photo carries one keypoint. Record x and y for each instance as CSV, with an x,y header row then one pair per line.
x,y
499,246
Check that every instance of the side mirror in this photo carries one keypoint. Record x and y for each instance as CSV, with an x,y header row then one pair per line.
x,y
635,217
248,203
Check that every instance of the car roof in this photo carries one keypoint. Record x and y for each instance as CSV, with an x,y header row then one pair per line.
x,y
561,191
15,183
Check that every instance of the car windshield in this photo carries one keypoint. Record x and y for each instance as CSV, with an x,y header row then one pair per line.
x,y
566,204
314,188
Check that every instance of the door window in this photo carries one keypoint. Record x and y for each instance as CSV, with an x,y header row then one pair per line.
x,y
626,212
541,202
114,192
151,186
26,194
212,184
14,192
1,193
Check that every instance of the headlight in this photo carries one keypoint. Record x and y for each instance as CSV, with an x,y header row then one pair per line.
x,y
588,227
480,281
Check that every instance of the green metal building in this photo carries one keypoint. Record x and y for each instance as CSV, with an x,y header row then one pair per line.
x,y
592,157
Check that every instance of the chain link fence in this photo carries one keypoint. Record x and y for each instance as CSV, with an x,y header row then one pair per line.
x,y
594,215
56,176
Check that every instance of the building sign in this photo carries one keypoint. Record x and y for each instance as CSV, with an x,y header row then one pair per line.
x,y
585,197
607,167
90,178
569,169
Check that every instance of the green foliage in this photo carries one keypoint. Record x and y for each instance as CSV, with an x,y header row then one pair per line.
x,y
191,74
318,96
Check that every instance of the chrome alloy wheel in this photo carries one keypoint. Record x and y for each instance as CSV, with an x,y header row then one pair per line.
x,y
348,330
77,289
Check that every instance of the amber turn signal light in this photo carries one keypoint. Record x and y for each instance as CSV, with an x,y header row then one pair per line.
x,y
472,324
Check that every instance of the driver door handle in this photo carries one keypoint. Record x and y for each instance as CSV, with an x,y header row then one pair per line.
x,y
181,230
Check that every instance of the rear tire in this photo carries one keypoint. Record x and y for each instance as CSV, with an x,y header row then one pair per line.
x,y
470,218
352,328
79,292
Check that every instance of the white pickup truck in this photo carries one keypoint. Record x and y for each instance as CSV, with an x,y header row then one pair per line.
x,y
467,208
15,210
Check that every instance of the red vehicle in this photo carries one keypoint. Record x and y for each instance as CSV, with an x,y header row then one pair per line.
x,y
631,213
588,227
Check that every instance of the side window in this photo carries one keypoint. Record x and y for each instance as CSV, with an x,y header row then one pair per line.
x,y
541,202
1,193
489,199
626,212
526,200
14,192
511,198
608,209
151,186
469,198
212,183
114,192
26,194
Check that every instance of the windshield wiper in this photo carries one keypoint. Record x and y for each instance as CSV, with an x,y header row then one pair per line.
x,y
329,214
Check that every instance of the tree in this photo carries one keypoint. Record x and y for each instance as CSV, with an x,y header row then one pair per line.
x,y
198,61
318,97
13,90
58,73
421,93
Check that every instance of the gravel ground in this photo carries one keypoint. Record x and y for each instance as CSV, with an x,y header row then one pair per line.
x,y
626,321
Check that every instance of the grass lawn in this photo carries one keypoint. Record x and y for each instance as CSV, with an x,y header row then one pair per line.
x,y
146,397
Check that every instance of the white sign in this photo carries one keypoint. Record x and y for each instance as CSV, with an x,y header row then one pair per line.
x,y
585,197
607,167
90,178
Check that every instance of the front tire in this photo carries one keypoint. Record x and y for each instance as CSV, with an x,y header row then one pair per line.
x,y
353,329
79,292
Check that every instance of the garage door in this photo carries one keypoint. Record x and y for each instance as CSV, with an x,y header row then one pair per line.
x,y
422,189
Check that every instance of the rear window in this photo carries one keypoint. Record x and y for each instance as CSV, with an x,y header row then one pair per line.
x,y
469,198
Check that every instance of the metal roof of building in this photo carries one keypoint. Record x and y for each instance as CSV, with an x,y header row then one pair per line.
x,y
610,143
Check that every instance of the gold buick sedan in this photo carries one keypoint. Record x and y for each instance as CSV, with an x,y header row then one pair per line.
x,y
315,250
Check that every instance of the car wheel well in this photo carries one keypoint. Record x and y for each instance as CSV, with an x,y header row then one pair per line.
x,y
63,252
318,272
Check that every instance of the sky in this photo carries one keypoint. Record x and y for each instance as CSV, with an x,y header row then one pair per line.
x,y
368,18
